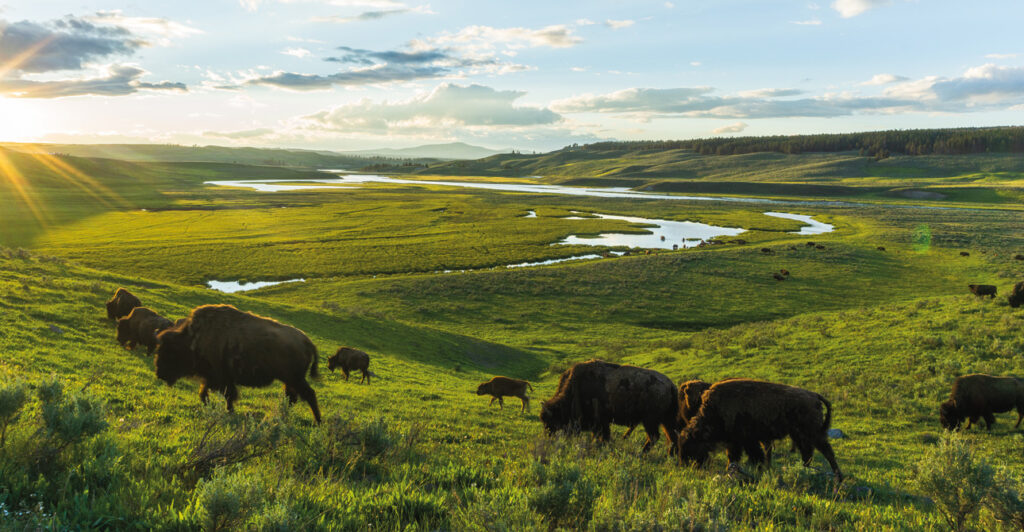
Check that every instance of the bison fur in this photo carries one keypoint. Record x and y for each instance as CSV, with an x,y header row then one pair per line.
x,y
982,290
121,304
349,359
141,327
1016,296
980,396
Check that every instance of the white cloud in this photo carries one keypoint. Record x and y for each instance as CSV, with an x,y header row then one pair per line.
x,y
852,8
884,79
161,30
731,128
811,22
366,16
253,5
619,24
585,22
695,63
1000,56
489,38
301,53
669,5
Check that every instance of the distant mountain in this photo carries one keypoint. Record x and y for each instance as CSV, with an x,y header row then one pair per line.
x,y
452,150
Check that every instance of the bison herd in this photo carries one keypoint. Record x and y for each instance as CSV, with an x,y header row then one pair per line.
x,y
225,348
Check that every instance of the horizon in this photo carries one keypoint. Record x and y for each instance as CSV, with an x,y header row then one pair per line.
x,y
358,75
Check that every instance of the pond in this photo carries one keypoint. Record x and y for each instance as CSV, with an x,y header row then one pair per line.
x,y
664,234
813,226
230,287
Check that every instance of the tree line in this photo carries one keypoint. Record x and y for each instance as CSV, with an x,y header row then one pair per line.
x,y
878,144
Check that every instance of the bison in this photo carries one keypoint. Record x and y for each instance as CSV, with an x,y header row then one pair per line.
x,y
1016,296
881,248
227,348
767,251
594,394
980,396
819,246
784,272
349,359
121,304
778,276
982,290
1018,257
690,393
748,415
141,327
499,387
964,254
811,244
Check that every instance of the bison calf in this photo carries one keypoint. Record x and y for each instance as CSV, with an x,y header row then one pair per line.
x,y
141,327
594,394
499,387
121,304
746,415
349,359
980,396
982,290
1016,296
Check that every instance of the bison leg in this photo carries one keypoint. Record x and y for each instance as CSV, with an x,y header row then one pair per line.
x,y
672,436
971,421
755,452
366,377
628,432
204,392
231,395
309,396
989,420
734,453
493,397
292,396
501,403
825,448
526,403
345,371
652,435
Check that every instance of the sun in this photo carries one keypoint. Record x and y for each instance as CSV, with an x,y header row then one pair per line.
x,y
21,121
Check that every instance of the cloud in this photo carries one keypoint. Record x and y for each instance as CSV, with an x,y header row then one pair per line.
x,y
633,101
119,81
731,128
446,106
301,53
1000,56
364,76
253,5
770,93
236,135
64,44
368,57
374,15
811,22
852,8
161,30
619,24
987,82
479,38
884,79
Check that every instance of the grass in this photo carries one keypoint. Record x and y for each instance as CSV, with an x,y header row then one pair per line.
x,y
882,334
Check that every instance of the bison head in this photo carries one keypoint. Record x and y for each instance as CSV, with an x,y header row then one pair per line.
x,y
334,361
111,306
484,388
694,448
174,355
124,328
554,416
949,416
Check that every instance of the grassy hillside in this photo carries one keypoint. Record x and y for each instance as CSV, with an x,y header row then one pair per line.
x,y
386,454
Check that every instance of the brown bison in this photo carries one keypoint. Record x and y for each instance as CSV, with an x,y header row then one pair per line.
x,y
141,327
1018,257
767,251
819,246
964,254
690,393
499,387
810,244
778,276
1016,296
594,394
745,415
979,396
121,304
784,272
982,290
349,359
881,248
227,348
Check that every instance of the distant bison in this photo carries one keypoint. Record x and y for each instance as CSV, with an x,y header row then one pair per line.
x,y
744,415
784,272
811,244
121,304
819,246
766,251
881,248
980,395
778,276
499,387
227,348
982,290
594,394
964,254
1016,296
1018,257
141,327
349,359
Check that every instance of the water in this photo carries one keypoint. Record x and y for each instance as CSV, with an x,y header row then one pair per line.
x,y
530,214
556,261
813,226
664,235
230,287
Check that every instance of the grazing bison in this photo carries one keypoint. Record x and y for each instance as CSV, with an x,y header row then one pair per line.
x,y
766,251
819,246
778,276
349,359
121,304
499,387
811,244
745,415
784,272
594,394
982,290
979,396
141,327
964,254
1016,296
690,393
881,248
1018,257
227,348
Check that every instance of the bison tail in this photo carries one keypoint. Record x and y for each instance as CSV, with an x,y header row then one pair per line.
x,y
314,371
529,386
828,412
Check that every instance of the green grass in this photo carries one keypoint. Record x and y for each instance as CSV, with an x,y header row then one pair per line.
x,y
882,334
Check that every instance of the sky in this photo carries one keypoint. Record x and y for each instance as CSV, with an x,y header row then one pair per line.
x,y
527,75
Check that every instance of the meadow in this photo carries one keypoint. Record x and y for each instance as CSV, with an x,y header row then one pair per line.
x,y
93,440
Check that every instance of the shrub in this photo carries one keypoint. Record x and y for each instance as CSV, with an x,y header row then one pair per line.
x,y
12,397
226,500
955,479
563,495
